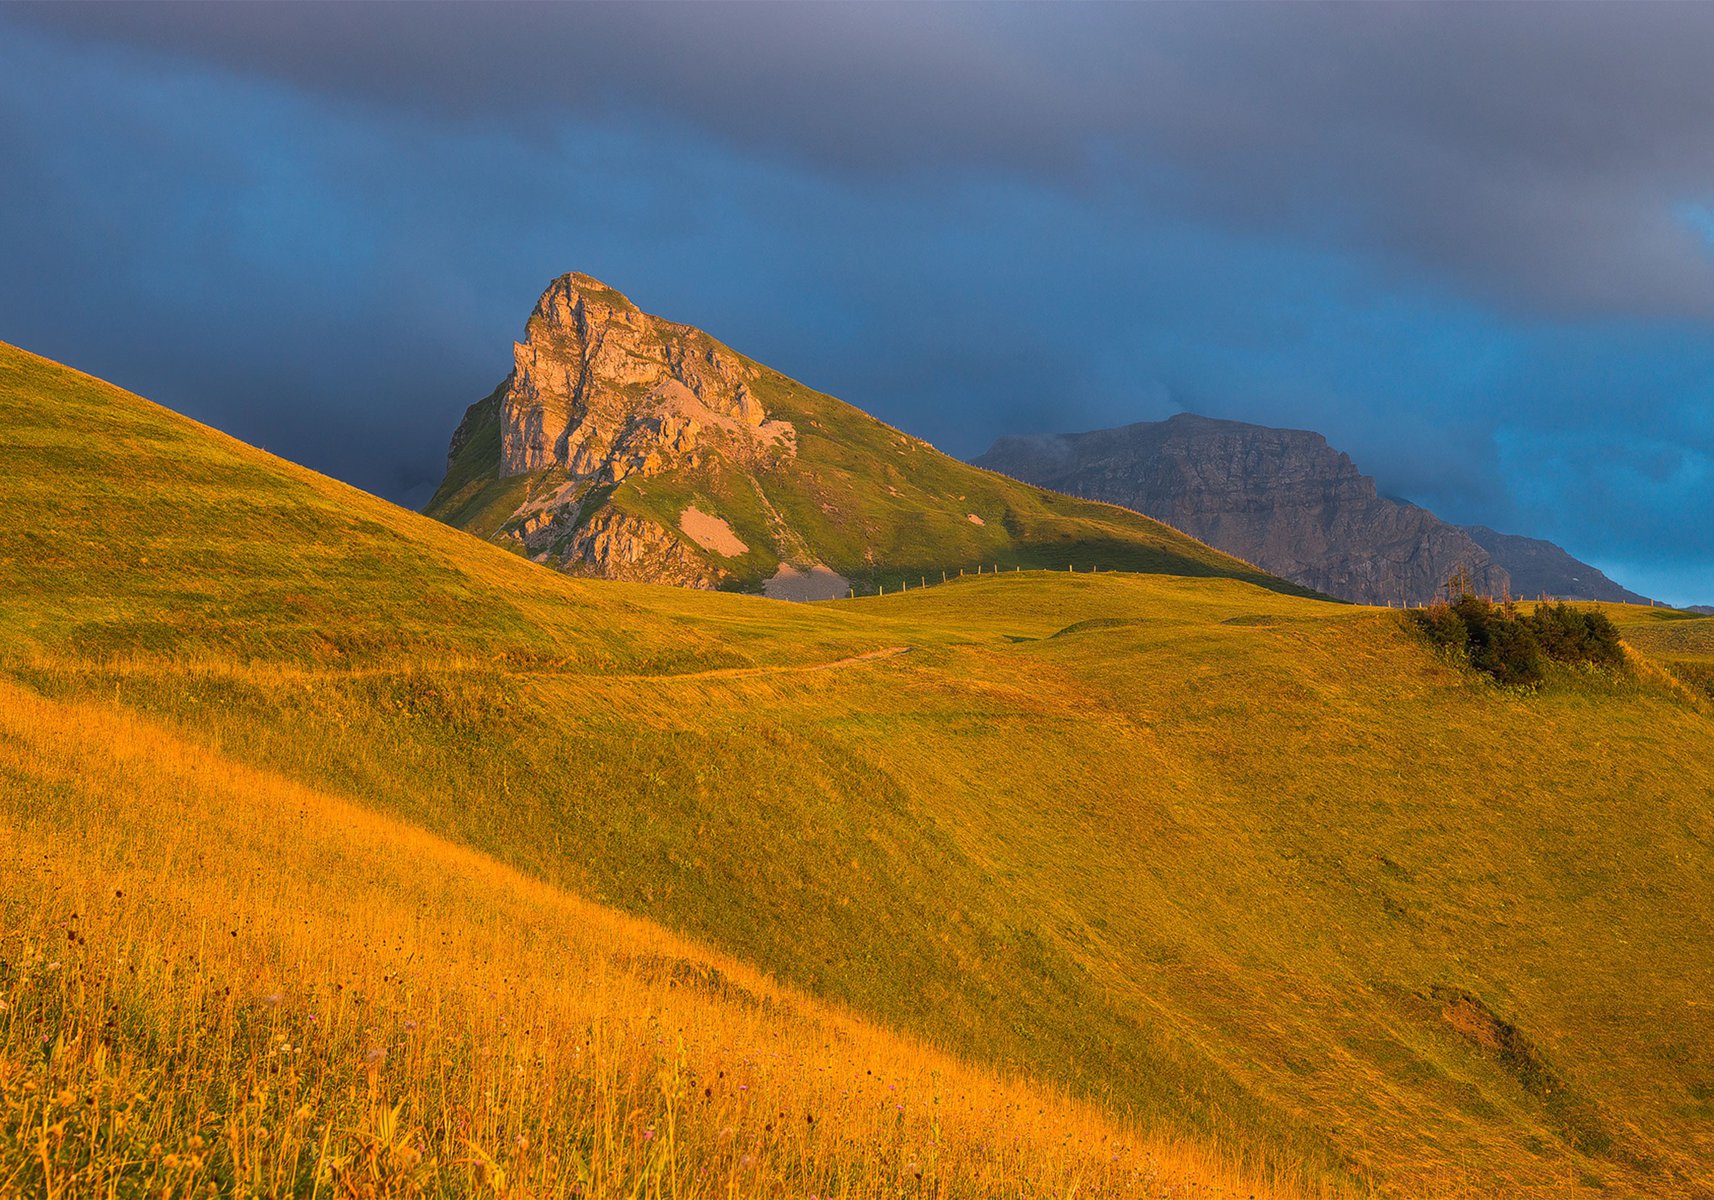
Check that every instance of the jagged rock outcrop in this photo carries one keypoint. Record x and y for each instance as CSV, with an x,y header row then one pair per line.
x,y
1280,498
627,446
601,390
616,545
1540,568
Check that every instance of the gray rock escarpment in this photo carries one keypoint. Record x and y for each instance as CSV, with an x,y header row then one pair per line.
x,y
1280,498
1540,568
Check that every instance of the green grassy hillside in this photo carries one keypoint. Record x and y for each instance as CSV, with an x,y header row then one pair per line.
x,y
874,504
428,1022
1681,642
1225,861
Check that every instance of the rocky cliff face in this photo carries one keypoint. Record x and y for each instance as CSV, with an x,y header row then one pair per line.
x,y
601,390
631,447
1280,498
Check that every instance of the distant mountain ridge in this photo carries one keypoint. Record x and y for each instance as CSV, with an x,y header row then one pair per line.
x,y
1540,568
627,446
1289,502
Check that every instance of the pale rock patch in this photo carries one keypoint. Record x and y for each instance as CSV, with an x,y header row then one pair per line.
x,y
818,583
711,532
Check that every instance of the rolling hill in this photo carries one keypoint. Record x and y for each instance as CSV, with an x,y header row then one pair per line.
x,y
626,446
1225,864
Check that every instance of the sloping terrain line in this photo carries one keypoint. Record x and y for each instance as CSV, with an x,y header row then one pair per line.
x,y
855,660
148,668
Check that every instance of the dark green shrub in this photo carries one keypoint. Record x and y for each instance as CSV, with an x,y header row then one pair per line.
x,y
1508,650
1514,648
1443,627
1576,635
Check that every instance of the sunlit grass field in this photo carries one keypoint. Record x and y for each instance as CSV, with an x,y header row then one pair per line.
x,y
217,981
1239,870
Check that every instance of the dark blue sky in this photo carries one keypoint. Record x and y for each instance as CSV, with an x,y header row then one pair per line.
x,y
1473,245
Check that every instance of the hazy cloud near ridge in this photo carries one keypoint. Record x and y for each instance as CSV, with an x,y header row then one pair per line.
x,y
1542,156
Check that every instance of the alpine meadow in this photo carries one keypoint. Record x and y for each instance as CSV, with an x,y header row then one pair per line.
x,y
351,855
763,600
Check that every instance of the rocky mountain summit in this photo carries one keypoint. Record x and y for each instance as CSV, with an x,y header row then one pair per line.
x,y
1280,498
632,447
601,392
1540,568
1290,503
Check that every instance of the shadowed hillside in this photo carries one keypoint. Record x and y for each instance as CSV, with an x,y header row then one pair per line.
x,y
1285,499
1280,497
1250,867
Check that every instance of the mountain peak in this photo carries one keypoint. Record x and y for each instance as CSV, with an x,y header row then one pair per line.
x,y
633,447
602,390
575,289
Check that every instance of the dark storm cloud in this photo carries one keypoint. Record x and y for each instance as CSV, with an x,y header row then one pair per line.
x,y
1543,155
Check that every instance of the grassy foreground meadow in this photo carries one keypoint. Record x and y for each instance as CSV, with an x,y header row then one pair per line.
x,y
1207,864
216,981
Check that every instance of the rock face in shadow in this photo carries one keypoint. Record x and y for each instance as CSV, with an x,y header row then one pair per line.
x,y
1540,568
1281,498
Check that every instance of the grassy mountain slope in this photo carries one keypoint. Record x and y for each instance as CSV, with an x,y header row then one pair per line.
x,y
859,496
425,1019
1222,860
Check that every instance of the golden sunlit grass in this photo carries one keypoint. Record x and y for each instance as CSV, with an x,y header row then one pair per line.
x,y
1255,868
213,980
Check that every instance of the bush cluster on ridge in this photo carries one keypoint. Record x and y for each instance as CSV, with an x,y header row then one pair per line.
x,y
1513,647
